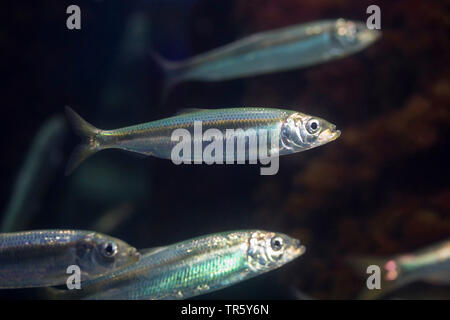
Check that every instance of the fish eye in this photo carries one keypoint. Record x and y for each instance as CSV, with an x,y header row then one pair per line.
x,y
313,126
276,243
109,249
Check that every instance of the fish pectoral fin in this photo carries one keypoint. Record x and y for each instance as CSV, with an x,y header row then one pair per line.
x,y
189,110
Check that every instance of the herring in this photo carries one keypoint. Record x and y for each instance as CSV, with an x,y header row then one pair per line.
x,y
283,49
276,131
195,267
40,258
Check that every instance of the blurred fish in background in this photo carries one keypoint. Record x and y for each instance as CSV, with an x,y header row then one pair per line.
x,y
430,265
42,162
272,51
121,91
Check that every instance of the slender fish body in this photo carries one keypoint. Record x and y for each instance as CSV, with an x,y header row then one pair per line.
x,y
431,264
40,258
197,266
277,50
281,132
40,166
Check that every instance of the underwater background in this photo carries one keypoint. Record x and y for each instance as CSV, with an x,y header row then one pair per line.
x,y
382,188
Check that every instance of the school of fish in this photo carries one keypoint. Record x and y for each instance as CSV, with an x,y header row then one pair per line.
x,y
111,268
194,267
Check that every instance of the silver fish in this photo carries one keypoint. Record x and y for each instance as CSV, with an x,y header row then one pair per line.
x,y
40,258
277,50
197,266
293,131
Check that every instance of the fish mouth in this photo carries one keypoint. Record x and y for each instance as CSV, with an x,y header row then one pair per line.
x,y
297,249
329,135
335,134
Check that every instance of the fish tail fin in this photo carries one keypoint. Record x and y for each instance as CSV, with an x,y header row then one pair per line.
x,y
88,147
171,75
366,268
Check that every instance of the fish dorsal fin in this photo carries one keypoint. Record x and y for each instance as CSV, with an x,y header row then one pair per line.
x,y
188,110
149,251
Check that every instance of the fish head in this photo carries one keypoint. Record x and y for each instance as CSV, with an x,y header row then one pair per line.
x,y
104,254
351,36
270,250
301,132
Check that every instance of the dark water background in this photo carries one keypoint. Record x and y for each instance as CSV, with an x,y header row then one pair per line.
x,y
382,188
